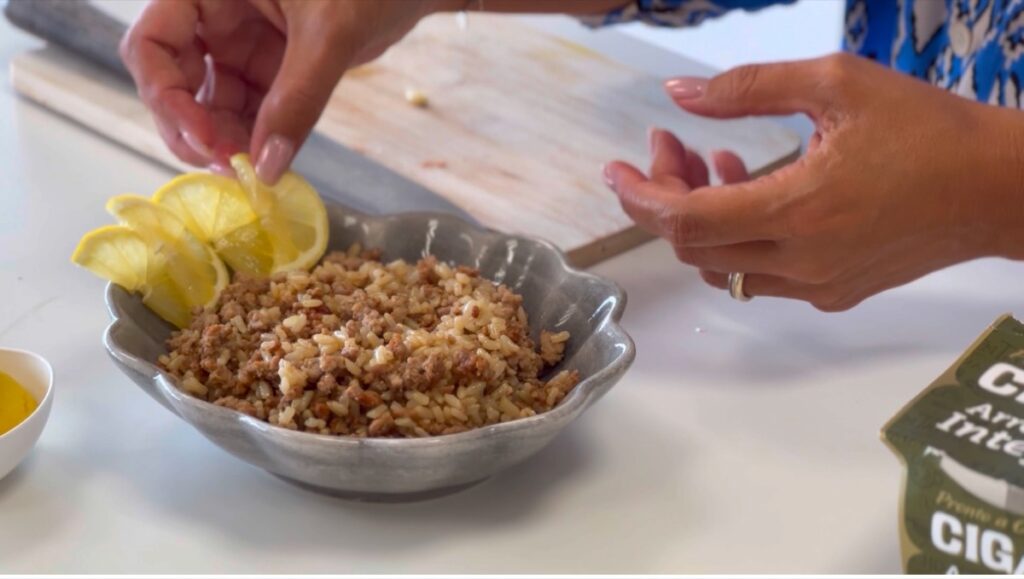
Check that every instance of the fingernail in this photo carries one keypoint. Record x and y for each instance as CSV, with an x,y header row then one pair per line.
x,y
222,170
197,145
686,87
274,159
606,173
652,139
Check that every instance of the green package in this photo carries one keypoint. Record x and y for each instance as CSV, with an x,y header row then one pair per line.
x,y
962,443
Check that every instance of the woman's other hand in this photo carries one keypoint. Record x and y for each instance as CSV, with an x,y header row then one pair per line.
x,y
900,179
223,76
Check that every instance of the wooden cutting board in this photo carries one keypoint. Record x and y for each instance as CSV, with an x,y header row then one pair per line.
x,y
517,125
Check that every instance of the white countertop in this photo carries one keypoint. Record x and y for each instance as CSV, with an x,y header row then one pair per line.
x,y
751,446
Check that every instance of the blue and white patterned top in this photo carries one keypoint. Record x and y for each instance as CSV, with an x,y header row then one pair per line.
x,y
971,47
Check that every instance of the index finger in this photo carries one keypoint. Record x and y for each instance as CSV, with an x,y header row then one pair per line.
x,y
159,51
709,216
725,215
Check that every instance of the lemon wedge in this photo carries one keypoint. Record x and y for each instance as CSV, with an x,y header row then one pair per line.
x,y
290,213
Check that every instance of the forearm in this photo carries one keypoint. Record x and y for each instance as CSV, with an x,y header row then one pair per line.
x,y
574,7
597,13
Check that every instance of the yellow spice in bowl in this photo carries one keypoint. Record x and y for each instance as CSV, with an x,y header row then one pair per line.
x,y
16,404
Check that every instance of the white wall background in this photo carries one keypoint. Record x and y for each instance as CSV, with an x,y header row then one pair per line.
x,y
802,30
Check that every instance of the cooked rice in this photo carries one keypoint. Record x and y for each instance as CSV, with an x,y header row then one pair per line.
x,y
362,348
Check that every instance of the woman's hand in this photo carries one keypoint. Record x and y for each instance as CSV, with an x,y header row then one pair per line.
x,y
900,179
223,76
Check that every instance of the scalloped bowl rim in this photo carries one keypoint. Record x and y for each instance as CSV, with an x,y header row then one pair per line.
x,y
577,399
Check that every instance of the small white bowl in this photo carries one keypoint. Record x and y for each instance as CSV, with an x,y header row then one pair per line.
x,y
35,375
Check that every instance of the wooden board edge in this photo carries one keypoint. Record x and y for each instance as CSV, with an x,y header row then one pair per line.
x,y
607,247
782,162
627,239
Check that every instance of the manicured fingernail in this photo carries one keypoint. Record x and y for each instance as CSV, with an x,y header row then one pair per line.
x,y
274,159
222,169
606,173
686,87
197,145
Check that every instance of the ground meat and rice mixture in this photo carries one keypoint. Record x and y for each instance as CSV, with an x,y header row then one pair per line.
x,y
358,347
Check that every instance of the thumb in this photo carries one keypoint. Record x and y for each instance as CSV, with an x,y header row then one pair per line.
x,y
757,89
310,69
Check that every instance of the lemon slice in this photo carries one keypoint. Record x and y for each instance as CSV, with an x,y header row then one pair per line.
x,y
120,255
174,270
193,264
217,211
291,214
116,254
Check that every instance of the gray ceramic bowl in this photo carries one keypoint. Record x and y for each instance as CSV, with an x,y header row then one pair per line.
x,y
556,297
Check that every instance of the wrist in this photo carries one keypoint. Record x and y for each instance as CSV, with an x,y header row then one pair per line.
x,y
1001,172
